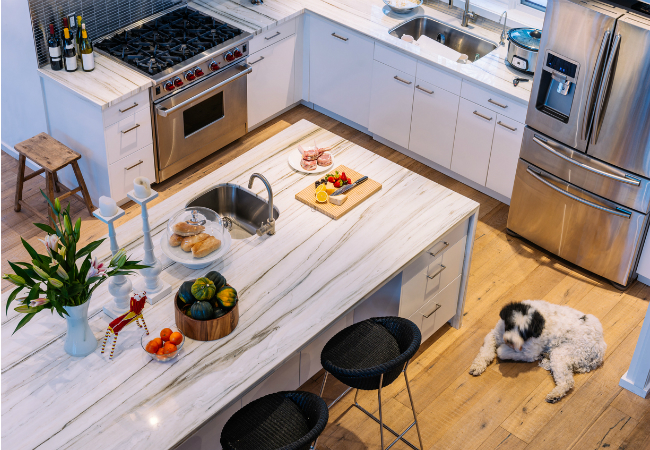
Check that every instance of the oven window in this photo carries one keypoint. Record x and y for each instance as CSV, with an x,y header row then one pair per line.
x,y
201,115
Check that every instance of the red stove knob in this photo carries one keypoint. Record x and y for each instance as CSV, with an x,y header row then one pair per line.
x,y
229,57
169,86
198,72
213,66
189,76
237,53
178,82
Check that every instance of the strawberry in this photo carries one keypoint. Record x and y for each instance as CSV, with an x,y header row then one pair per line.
x,y
337,184
343,177
330,179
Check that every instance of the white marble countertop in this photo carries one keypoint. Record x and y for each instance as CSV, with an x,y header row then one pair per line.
x,y
291,286
115,82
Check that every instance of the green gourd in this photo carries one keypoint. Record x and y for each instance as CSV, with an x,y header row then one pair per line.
x,y
203,289
218,279
202,310
185,293
227,297
219,312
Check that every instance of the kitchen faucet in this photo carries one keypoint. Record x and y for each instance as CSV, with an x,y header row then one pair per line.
x,y
503,32
468,16
269,226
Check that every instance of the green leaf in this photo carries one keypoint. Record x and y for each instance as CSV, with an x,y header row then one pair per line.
x,y
24,320
48,229
91,280
12,297
48,201
33,253
89,248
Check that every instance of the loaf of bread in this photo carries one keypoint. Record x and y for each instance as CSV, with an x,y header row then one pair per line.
x,y
190,241
185,229
175,240
205,247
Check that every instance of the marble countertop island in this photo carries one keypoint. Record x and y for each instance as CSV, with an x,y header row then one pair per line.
x,y
115,82
291,286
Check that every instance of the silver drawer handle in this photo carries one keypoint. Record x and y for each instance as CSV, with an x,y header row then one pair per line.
x,y
277,33
500,105
628,179
423,90
130,107
339,37
483,116
438,272
131,129
506,126
402,80
617,212
134,165
438,252
255,62
426,316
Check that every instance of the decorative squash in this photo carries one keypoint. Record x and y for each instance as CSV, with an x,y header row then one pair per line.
x,y
185,293
218,279
202,310
203,289
227,297
219,312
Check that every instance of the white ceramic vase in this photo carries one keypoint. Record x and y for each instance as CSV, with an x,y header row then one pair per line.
x,y
80,340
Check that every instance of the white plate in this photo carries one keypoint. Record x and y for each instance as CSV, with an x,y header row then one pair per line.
x,y
186,258
294,161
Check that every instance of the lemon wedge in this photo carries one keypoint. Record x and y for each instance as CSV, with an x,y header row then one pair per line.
x,y
321,197
320,188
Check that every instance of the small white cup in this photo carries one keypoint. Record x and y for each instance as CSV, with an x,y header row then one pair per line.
x,y
142,187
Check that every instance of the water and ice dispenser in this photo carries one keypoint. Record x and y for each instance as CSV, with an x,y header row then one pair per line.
x,y
557,86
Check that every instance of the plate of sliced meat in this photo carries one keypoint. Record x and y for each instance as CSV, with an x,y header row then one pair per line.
x,y
311,159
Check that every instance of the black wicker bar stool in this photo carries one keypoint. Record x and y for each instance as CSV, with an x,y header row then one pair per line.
x,y
283,420
370,355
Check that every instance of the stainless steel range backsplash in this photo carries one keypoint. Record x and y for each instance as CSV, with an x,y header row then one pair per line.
x,y
101,17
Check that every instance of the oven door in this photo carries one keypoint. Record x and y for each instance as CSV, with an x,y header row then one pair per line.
x,y
201,119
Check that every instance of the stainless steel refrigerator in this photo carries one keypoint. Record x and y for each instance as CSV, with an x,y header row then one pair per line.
x,y
582,188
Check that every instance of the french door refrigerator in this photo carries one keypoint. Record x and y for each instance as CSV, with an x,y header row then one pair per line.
x,y
582,186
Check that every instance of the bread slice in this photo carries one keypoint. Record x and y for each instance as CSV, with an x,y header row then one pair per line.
x,y
190,241
185,229
205,247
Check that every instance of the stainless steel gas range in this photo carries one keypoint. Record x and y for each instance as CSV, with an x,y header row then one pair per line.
x,y
198,65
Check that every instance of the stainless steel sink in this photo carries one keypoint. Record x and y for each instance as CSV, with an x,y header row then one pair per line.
x,y
246,210
473,46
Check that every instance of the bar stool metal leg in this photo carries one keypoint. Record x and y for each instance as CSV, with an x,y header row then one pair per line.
x,y
381,420
415,416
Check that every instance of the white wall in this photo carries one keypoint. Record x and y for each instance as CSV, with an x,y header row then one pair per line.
x,y
23,111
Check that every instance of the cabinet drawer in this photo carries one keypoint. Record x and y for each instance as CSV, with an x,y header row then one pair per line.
x,y
437,311
439,78
122,173
508,135
395,59
272,36
494,102
445,269
126,107
448,240
128,135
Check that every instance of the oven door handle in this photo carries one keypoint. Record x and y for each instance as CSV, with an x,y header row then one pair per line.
x,y
165,112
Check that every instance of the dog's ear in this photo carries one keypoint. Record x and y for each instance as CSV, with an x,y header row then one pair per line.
x,y
510,308
536,325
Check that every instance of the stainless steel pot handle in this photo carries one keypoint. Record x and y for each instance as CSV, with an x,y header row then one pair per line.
x,y
166,112
632,181
604,85
588,118
616,212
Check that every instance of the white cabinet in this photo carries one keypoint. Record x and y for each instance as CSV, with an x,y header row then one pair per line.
x,y
208,436
391,103
340,70
433,123
271,83
508,135
128,135
284,378
473,142
122,173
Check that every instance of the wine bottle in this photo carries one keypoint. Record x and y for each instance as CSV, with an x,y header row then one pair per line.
x,y
69,53
78,36
54,46
86,50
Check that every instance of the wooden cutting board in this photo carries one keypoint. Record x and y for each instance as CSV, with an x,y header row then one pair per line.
x,y
355,195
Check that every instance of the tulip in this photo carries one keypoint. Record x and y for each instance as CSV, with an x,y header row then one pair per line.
x,y
56,283
57,206
38,302
51,242
121,252
15,279
77,228
40,272
60,271
67,223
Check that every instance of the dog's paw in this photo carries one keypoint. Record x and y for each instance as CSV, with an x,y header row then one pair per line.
x,y
476,370
554,396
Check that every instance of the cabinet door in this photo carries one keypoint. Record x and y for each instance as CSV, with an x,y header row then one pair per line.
x,y
271,83
284,378
473,141
433,124
508,135
391,103
340,70
122,173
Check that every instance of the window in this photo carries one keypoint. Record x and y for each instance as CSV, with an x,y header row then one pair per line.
x,y
536,4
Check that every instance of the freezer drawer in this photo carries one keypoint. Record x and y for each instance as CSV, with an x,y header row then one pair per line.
x,y
580,227
583,171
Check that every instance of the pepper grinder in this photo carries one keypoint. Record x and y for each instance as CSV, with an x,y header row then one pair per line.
x,y
119,286
150,282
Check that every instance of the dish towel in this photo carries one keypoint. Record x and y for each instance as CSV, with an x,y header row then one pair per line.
x,y
436,47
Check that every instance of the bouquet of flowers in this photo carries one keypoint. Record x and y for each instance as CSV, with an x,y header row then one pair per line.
x,y
57,279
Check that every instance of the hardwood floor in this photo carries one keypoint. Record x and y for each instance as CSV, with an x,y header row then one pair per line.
x,y
502,409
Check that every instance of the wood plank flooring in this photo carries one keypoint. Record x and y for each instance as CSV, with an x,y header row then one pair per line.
x,y
502,409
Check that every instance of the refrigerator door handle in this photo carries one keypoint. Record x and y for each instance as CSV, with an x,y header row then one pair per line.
x,y
618,211
600,100
589,113
544,145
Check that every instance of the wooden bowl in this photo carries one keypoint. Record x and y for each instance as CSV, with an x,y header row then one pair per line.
x,y
206,330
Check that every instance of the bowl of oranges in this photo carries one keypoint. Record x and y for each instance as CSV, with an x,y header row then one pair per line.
x,y
165,347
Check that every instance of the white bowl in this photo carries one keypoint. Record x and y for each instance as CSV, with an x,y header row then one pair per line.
x,y
294,162
403,6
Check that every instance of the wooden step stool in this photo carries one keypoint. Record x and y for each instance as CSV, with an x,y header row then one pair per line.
x,y
52,156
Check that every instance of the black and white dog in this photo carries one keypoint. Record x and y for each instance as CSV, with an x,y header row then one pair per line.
x,y
565,340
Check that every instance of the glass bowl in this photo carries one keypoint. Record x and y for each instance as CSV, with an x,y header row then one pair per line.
x,y
197,215
146,338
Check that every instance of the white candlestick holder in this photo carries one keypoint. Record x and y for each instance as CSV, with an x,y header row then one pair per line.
x,y
150,281
119,286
